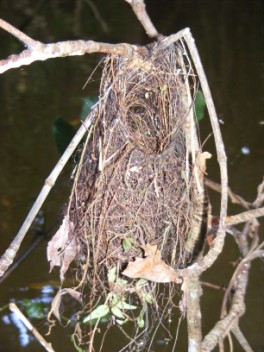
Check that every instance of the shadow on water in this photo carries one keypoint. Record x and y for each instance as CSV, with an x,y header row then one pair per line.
x,y
228,35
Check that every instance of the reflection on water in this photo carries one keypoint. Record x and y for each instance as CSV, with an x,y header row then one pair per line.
x,y
228,37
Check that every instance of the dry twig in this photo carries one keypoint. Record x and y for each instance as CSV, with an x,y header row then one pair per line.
x,y
14,308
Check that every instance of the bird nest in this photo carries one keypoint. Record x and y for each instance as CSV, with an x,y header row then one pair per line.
x,y
131,212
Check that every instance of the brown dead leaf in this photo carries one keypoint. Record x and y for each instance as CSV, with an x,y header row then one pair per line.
x,y
61,251
68,256
151,268
201,161
56,303
75,294
55,306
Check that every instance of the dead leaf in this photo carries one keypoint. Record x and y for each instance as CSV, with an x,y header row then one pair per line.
x,y
201,161
61,250
55,306
56,303
151,268
75,294
68,256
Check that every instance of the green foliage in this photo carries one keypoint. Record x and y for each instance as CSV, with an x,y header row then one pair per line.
x,y
199,105
127,243
35,310
97,313
141,282
88,103
63,132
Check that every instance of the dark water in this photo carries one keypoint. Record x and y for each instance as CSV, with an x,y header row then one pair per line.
x,y
229,36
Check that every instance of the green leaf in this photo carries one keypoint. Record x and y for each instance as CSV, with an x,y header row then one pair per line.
x,y
127,243
121,281
111,275
35,310
88,103
199,105
147,298
121,322
141,282
118,312
97,313
141,322
63,132
125,305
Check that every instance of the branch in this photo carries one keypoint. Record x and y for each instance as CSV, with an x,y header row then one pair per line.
x,y
38,51
245,216
193,287
7,258
208,260
139,9
235,198
13,307
241,339
25,39
223,326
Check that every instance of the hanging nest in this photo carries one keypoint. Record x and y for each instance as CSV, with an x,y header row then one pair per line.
x,y
132,207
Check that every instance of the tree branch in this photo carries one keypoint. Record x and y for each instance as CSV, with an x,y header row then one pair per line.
x,y
25,39
39,51
208,260
245,216
14,308
139,9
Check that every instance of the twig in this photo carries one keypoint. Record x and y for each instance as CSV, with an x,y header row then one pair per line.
x,y
245,216
233,197
39,51
260,196
241,339
25,39
24,255
9,255
14,308
216,287
139,9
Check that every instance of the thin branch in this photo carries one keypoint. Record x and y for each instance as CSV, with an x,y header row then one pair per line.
x,y
235,198
14,308
139,9
25,39
260,196
241,339
7,258
223,326
245,216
